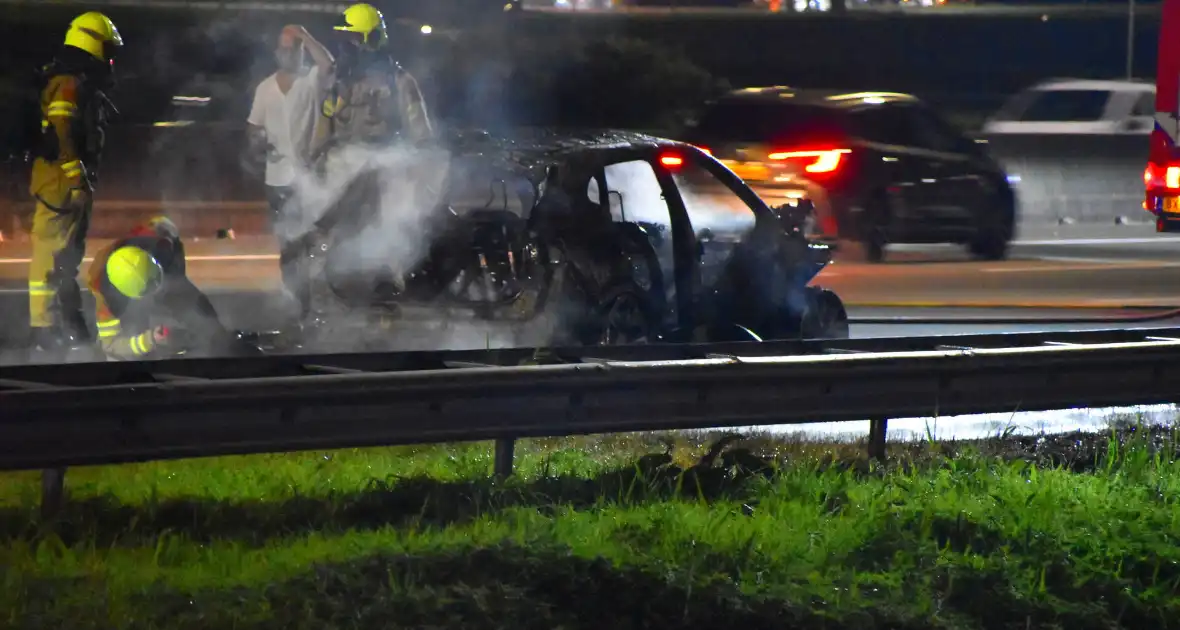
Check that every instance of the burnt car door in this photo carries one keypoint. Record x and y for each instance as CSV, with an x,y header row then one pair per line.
x,y
643,231
742,272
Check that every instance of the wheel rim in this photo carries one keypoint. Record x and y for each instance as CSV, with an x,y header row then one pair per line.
x,y
828,319
624,322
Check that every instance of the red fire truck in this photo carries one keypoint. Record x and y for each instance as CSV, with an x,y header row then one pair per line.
x,y
1162,176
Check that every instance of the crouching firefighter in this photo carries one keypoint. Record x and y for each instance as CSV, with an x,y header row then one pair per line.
x,y
74,112
139,283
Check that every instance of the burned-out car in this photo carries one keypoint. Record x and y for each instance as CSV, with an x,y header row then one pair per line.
x,y
617,237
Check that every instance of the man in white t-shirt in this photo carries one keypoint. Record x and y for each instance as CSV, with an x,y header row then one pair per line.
x,y
282,120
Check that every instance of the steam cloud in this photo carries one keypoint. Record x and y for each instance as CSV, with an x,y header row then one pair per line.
x,y
390,239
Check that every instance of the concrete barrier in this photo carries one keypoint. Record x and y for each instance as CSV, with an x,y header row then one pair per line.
x,y
1091,178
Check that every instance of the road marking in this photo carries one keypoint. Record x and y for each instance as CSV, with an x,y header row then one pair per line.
x,y
207,258
1101,241
1099,261
1084,267
231,258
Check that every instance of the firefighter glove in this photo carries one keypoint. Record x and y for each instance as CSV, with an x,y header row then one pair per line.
x,y
169,341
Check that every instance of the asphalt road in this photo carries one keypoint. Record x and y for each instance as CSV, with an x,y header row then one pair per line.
x,y
1100,274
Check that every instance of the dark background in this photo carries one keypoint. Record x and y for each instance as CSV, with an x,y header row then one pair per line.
x,y
961,62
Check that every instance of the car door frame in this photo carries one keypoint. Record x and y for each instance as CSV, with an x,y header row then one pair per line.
x,y
696,300
684,281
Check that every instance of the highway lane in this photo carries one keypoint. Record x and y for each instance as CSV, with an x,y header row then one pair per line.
x,y
1104,269
1052,265
1049,266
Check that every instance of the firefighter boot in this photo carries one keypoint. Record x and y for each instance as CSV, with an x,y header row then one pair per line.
x,y
74,331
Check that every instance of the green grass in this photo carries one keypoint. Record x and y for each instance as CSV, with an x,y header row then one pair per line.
x,y
620,531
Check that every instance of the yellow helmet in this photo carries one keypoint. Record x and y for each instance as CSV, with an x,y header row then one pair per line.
x,y
366,20
93,32
134,272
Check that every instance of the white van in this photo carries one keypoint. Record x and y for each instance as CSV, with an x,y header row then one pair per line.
x,y
1077,106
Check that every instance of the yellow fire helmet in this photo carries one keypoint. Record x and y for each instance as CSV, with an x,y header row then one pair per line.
x,y
134,272
94,33
367,21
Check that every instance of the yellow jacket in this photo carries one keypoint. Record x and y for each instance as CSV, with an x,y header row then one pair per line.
x,y
59,182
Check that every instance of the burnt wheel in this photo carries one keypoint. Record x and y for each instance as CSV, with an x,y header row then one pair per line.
x,y
825,316
624,315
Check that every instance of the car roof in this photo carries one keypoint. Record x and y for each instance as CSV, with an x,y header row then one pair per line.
x,y
1111,85
554,141
835,99
533,149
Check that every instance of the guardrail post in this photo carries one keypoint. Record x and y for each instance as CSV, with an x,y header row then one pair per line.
x,y
505,454
877,428
53,481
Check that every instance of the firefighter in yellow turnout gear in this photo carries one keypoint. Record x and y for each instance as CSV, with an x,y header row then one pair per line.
x,y
373,99
74,111
147,308
372,108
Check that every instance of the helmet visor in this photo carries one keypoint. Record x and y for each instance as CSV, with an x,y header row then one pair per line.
x,y
369,37
350,38
116,39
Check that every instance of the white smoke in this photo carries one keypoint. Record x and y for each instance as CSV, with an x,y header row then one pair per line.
x,y
409,189
387,238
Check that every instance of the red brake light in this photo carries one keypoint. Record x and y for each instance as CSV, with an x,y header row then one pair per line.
x,y
815,161
1170,179
671,159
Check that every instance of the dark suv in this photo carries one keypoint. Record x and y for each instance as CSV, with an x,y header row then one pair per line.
x,y
880,167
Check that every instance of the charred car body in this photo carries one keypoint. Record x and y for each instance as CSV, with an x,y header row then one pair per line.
x,y
616,237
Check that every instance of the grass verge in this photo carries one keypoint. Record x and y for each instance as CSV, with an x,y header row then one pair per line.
x,y
623,531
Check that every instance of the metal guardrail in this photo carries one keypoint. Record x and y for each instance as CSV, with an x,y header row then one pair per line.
x,y
67,415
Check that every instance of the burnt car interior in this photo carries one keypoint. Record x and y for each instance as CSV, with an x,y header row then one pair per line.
x,y
637,241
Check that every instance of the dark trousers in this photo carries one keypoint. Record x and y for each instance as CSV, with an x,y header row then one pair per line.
x,y
292,262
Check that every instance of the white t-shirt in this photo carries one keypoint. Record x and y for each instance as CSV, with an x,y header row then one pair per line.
x,y
288,120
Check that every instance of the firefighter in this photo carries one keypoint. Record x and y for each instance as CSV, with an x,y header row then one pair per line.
x,y
373,99
74,110
139,286
373,105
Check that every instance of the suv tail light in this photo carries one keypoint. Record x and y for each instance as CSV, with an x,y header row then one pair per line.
x,y
813,160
